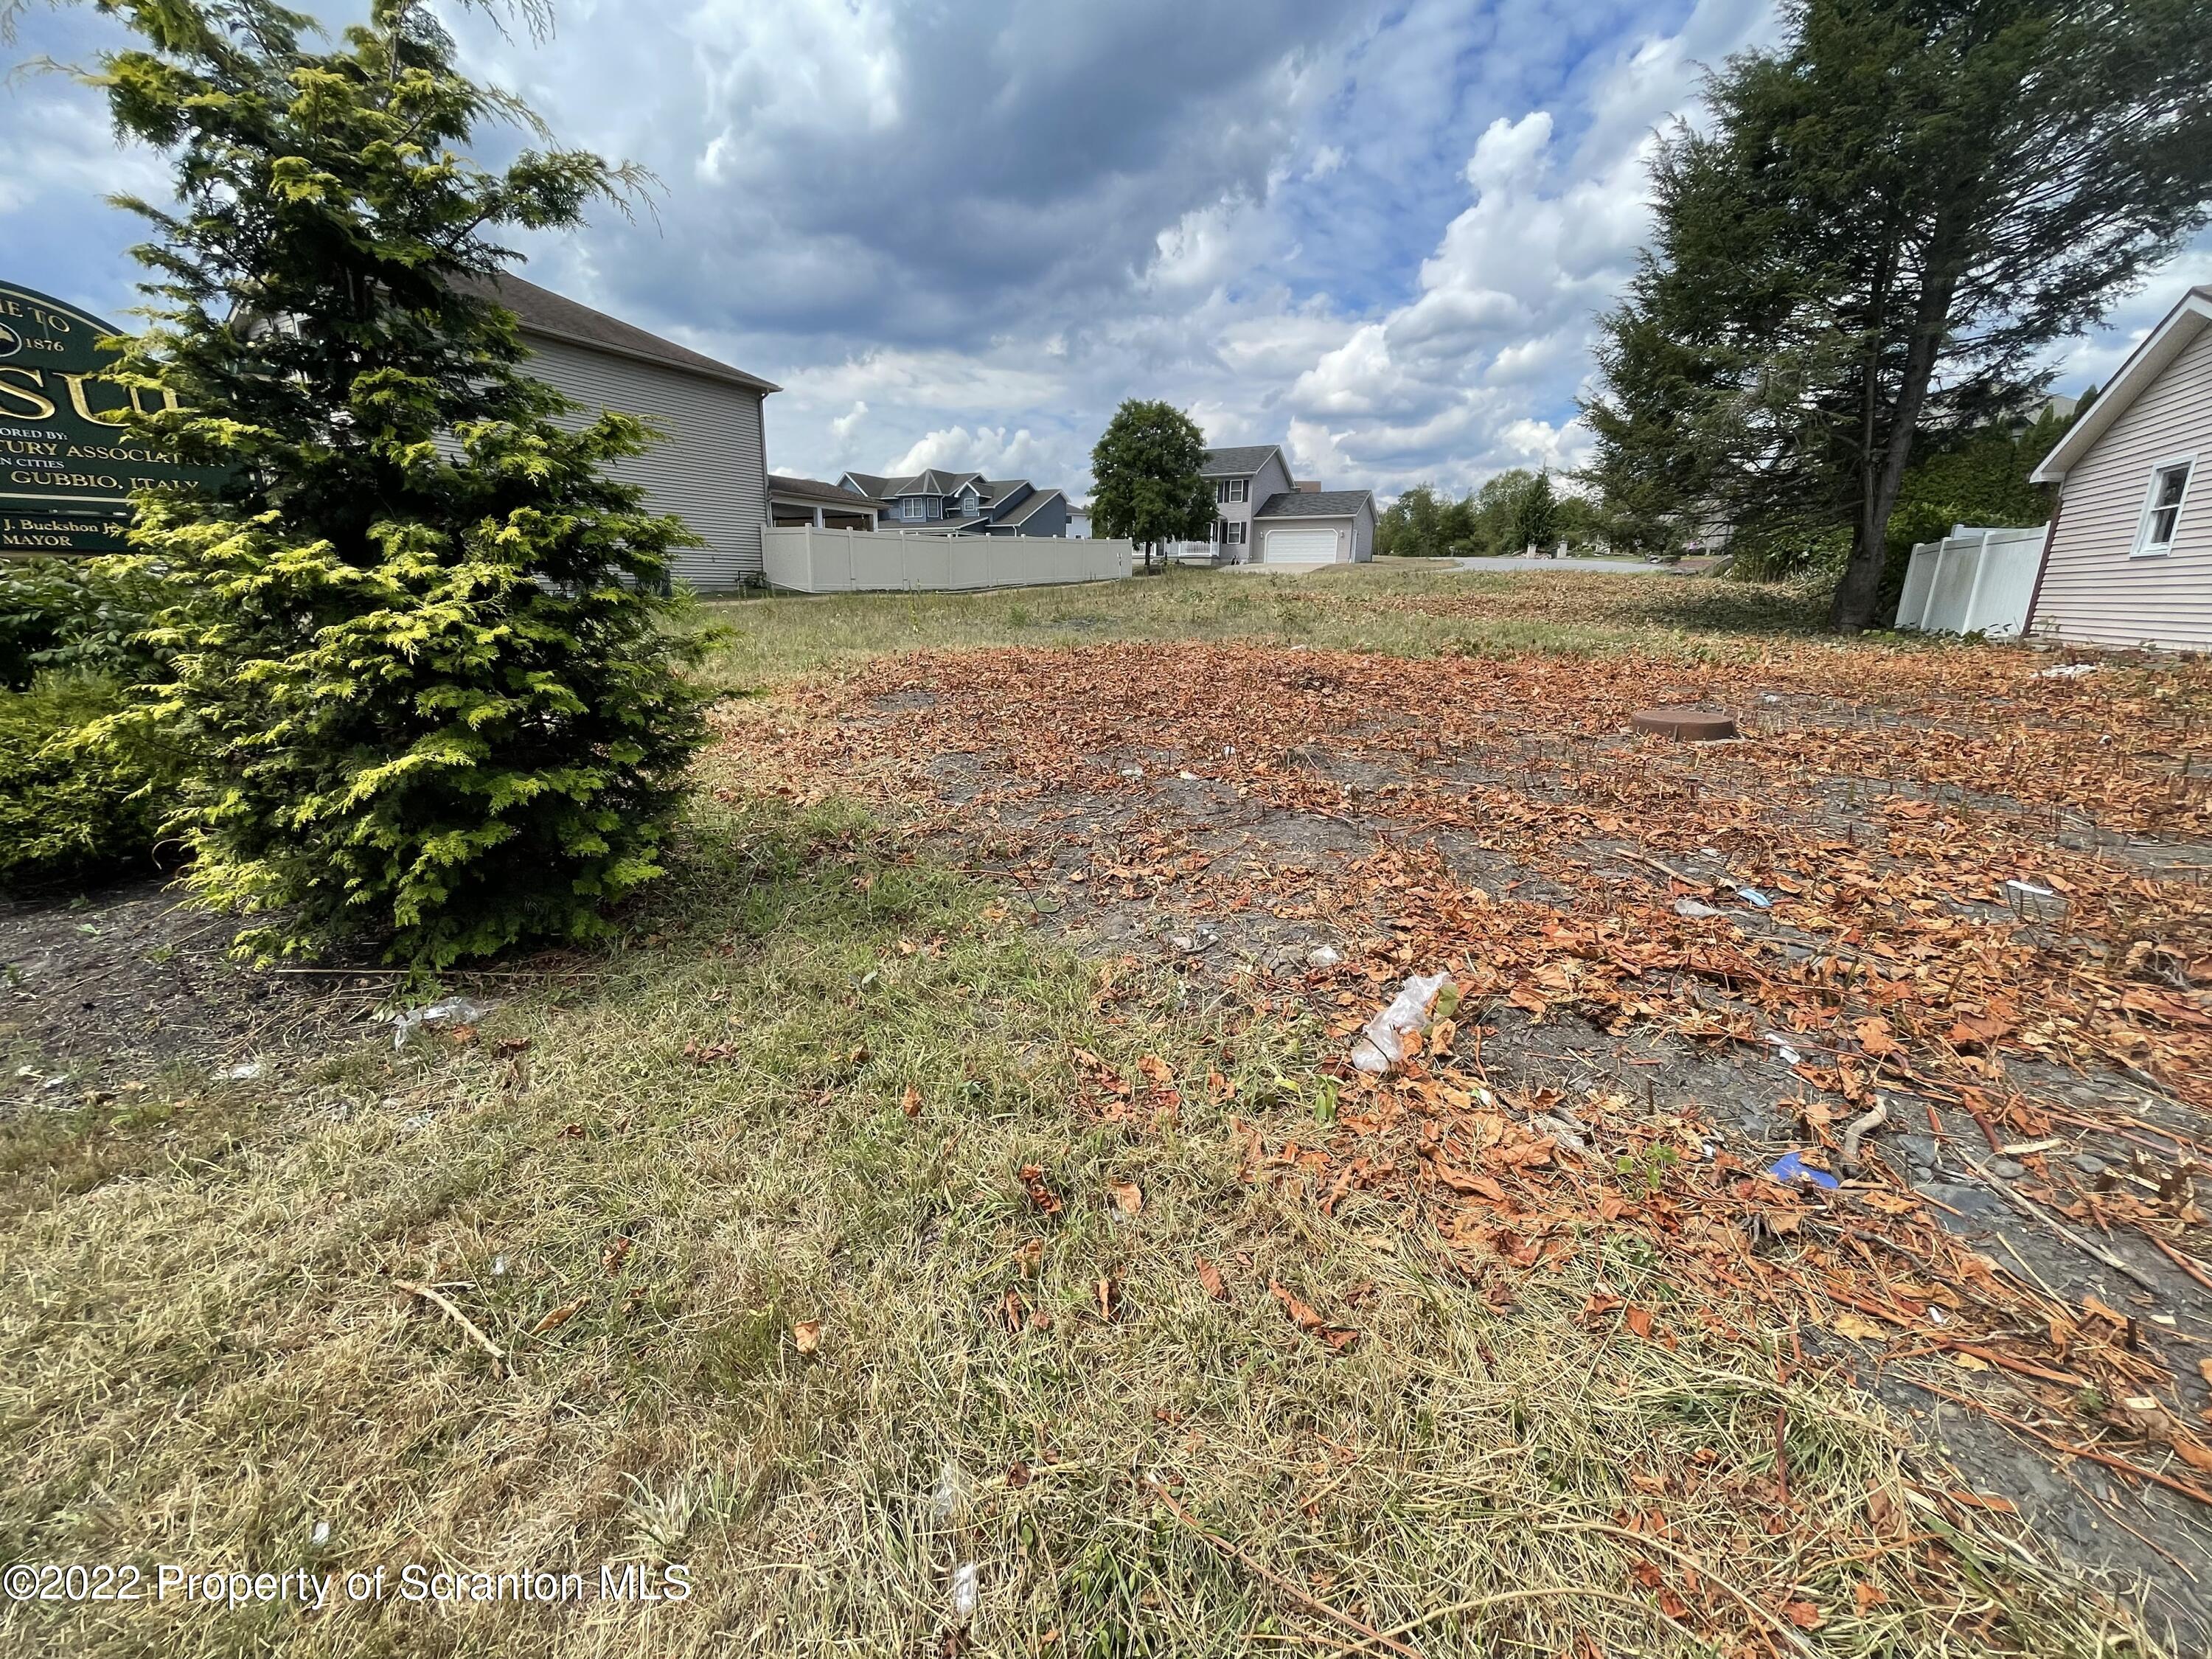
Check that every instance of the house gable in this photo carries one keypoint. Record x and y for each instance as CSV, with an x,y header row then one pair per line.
x,y
2107,577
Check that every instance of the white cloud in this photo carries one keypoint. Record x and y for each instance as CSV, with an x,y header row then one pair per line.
x,y
1378,233
988,450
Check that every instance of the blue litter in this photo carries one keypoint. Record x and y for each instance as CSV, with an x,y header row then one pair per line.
x,y
1753,897
1790,1167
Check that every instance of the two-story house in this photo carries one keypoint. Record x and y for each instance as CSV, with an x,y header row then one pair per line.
x,y
963,504
1267,517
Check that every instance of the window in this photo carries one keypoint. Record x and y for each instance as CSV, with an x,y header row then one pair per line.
x,y
1226,490
1233,533
2169,489
913,507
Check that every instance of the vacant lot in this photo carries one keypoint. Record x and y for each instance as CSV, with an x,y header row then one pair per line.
x,y
952,1221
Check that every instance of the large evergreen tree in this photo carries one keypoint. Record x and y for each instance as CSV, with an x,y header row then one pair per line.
x,y
1887,221
422,680
1144,473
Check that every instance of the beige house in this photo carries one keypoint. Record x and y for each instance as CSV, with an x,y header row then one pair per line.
x,y
1267,517
2129,558
710,465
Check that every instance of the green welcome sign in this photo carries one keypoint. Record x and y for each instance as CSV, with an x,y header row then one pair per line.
x,y
66,473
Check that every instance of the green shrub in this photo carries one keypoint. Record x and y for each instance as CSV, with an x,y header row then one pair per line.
x,y
427,685
69,809
61,614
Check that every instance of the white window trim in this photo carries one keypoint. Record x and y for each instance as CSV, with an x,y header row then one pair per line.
x,y
2142,547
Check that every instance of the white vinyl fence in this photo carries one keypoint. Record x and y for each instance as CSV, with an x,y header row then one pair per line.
x,y
804,560
1972,581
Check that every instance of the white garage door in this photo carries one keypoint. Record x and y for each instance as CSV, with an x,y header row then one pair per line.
x,y
1301,547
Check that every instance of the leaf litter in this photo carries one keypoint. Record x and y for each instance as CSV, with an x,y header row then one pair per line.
x,y
1938,884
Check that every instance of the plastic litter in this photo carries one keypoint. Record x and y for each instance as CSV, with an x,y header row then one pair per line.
x,y
2069,671
1692,908
944,1501
2031,890
1754,897
967,1591
320,1535
1323,956
1382,1045
461,1010
1790,1167
1133,771
245,1072
1790,1056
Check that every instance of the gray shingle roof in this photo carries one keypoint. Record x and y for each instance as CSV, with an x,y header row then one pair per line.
x,y
1313,504
1029,506
541,311
931,481
780,483
1236,463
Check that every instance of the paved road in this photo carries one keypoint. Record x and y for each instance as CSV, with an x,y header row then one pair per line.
x,y
1516,562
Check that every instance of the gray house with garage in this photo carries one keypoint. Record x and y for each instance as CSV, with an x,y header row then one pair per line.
x,y
1265,516
710,466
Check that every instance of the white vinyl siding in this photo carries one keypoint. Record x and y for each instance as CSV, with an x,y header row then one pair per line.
x,y
710,468
2097,587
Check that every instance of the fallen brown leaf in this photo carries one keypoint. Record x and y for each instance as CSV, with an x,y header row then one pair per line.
x,y
559,1317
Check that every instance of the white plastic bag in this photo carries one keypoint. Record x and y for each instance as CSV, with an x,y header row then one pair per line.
x,y
1382,1045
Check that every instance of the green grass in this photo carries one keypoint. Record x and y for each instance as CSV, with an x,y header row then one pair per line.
x,y
804,1089
1361,608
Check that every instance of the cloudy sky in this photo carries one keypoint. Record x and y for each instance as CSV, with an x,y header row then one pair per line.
x,y
958,232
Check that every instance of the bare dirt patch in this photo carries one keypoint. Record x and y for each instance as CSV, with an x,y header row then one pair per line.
x,y
107,990
1935,908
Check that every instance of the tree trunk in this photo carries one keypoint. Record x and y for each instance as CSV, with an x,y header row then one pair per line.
x,y
1881,469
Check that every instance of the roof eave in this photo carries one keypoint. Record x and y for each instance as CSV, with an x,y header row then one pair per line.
x,y
736,377
2145,363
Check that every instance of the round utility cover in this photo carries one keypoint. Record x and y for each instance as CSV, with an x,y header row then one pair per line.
x,y
1691,725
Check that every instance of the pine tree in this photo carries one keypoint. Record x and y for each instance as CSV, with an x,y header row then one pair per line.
x,y
425,682
1888,221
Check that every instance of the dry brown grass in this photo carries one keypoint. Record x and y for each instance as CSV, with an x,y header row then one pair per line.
x,y
204,1357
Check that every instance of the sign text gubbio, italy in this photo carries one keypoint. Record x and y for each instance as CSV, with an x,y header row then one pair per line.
x,y
65,471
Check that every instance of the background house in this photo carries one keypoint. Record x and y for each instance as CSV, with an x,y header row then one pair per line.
x,y
1267,517
811,502
2128,557
710,466
963,504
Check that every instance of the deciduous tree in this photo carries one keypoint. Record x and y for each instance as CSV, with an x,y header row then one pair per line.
x,y
1145,482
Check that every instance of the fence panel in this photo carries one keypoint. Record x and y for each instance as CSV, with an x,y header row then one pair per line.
x,y
1972,581
801,559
